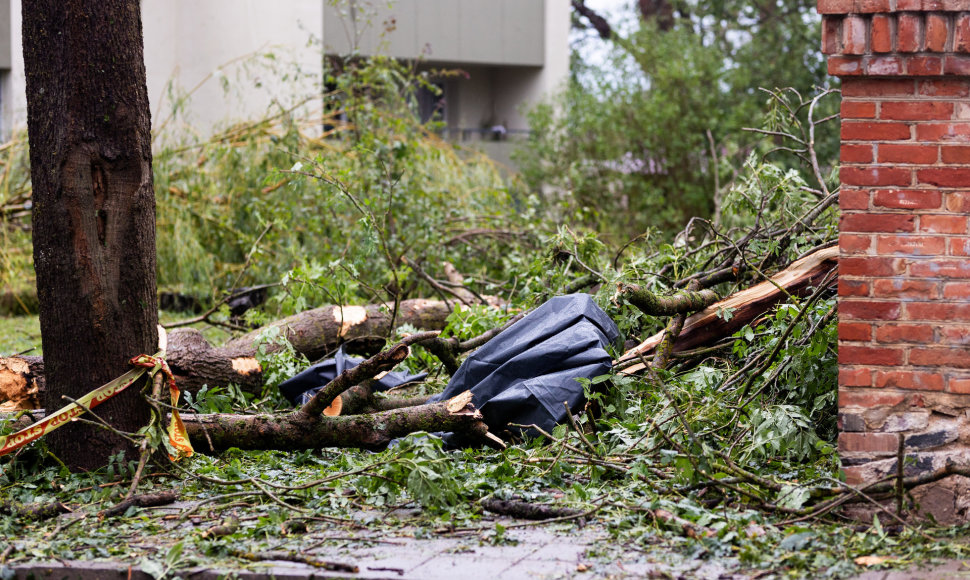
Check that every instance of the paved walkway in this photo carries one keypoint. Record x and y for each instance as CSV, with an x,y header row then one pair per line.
x,y
529,553
548,551
955,569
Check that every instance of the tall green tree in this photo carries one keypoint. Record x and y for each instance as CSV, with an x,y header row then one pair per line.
x,y
642,139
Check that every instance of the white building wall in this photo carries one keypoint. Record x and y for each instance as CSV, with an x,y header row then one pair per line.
x,y
13,89
216,50
513,51
497,32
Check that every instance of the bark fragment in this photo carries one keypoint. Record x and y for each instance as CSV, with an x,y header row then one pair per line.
x,y
143,500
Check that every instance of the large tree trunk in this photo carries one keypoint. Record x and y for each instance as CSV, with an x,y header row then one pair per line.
x,y
94,210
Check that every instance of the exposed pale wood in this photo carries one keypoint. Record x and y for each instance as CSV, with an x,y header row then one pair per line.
x,y
744,306
19,385
317,332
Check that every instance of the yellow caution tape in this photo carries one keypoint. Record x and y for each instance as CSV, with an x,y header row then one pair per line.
x,y
178,438
176,429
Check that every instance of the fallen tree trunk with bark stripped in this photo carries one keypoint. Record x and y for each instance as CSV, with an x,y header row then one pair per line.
x,y
725,317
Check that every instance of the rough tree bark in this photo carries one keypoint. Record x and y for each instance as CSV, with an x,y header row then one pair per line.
x,y
297,430
656,305
94,209
317,332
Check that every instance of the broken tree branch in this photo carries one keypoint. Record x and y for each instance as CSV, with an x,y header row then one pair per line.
x,y
656,305
368,369
296,430
525,510
725,317
143,500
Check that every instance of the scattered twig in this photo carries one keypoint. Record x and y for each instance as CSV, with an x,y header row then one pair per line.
x,y
525,510
280,555
144,500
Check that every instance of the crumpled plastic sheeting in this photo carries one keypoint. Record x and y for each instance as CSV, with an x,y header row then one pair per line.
x,y
525,374
301,388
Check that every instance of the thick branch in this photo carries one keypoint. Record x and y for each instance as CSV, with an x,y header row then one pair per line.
x,y
143,500
527,511
298,431
368,369
315,333
360,399
599,23
725,317
33,511
656,305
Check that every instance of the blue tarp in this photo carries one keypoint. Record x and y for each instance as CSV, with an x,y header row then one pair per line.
x,y
303,386
522,376
525,374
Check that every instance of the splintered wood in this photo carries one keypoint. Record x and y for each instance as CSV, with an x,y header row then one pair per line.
x,y
458,403
18,388
723,318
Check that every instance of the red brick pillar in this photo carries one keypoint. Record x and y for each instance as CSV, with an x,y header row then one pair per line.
x,y
904,286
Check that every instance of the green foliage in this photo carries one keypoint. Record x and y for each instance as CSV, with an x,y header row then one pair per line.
x,y
333,216
418,466
649,137
16,260
629,154
277,357
334,213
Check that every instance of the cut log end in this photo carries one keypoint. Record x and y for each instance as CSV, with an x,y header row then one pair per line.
x,y
335,408
348,317
246,366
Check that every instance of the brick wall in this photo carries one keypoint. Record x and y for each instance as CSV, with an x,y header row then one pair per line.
x,y
904,286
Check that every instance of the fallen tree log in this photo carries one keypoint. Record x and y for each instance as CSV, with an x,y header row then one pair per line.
x,y
320,331
314,334
195,362
656,305
725,317
308,427
297,430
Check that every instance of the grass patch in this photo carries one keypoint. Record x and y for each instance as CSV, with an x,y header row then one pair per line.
x,y
19,334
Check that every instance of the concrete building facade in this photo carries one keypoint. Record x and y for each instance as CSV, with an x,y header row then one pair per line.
x,y
511,52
